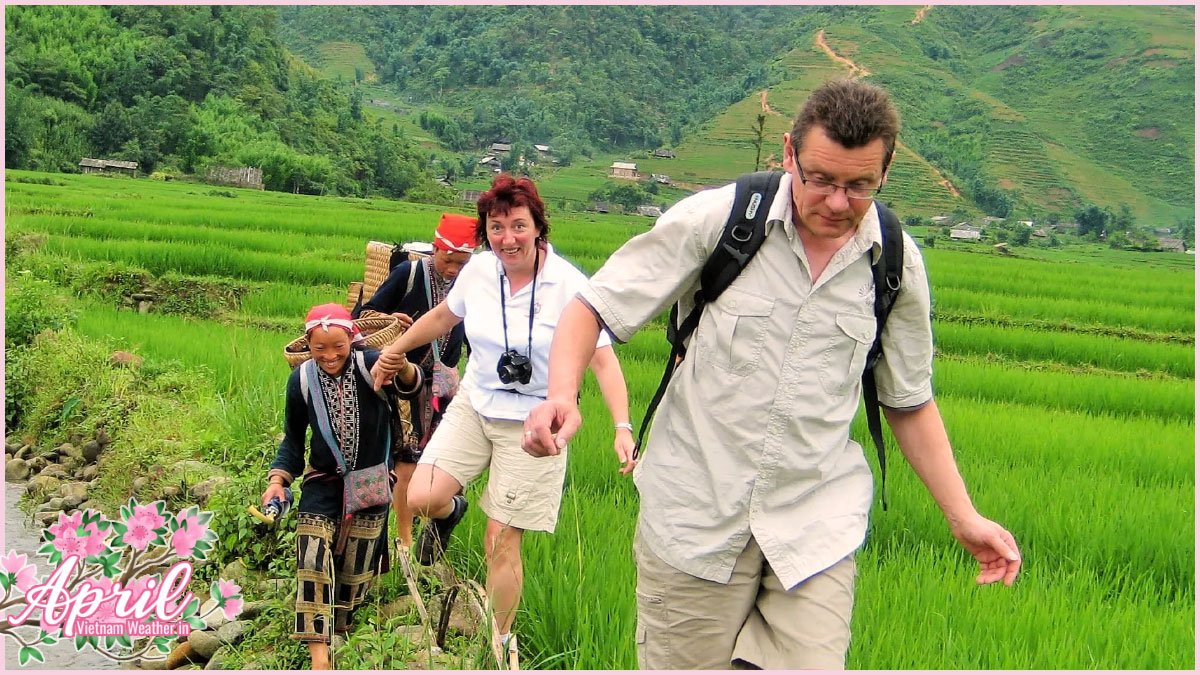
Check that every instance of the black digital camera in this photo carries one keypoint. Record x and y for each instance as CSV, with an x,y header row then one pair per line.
x,y
514,367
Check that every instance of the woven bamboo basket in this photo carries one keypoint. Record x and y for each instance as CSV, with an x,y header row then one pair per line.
x,y
380,332
379,257
352,293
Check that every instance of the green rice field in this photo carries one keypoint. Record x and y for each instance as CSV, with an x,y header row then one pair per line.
x,y
1066,379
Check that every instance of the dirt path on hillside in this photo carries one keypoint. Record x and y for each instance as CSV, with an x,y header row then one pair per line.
x,y
921,14
767,106
855,69
941,179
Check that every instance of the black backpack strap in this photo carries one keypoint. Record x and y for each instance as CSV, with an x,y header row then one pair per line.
x,y
744,233
888,273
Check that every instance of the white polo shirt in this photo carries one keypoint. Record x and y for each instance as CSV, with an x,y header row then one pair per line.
x,y
475,297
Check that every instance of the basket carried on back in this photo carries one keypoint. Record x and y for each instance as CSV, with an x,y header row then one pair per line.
x,y
380,332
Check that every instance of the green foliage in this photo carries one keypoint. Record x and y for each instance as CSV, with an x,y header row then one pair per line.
x,y
628,194
216,87
31,306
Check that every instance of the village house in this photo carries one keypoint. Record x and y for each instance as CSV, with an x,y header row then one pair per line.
x,y
967,227
623,170
663,153
470,196
939,220
661,178
542,149
1174,245
649,210
89,165
242,177
500,148
966,235
1073,228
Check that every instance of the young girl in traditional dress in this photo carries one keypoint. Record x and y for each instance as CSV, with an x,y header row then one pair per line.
x,y
341,533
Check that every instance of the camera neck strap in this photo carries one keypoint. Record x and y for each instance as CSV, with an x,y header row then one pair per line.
x,y
532,296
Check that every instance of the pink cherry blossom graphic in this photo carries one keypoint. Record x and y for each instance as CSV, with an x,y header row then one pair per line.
x,y
69,544
90,543
107,609
142,526
26,575
231,607
184,539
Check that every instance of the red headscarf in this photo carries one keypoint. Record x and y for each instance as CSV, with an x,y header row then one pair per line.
x,y
455,232
332,314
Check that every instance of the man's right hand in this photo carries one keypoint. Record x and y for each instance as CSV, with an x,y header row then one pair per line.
x,y
273,490
549,427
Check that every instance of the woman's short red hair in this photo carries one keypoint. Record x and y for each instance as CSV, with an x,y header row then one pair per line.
x,y
506,194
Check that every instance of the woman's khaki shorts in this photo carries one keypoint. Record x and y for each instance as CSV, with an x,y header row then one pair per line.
x,y
522,491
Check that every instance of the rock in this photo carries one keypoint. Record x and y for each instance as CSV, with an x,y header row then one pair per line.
x,y
71,503
37,463
217,662
91,451
68,450
89,505
50,456
11,448
140,484
205,643
55,470
102,436
413,633
79,490
183,654
90,473
215,620
235,571
284,587
41,485
233,632
251,610
142,296
171,491
192,467
462,618
47,518
55,504
16,470
143,306
398,607
125,359
25,452
205,489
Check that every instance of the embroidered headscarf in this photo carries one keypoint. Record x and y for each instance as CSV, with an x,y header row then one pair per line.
x,y
330,315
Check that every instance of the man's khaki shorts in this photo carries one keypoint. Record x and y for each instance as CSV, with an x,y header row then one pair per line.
x,y
522,490
688,623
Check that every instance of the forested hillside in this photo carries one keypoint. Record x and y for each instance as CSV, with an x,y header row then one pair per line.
x,y
177,88
1027,111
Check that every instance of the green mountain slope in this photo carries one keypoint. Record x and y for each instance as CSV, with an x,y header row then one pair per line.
x,y
1021,111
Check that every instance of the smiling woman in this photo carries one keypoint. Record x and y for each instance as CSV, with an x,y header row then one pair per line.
x,y
509,299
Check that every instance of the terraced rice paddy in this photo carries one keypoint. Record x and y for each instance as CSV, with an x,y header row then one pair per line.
x,y
1067,388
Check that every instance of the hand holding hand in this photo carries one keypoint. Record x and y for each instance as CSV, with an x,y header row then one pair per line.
x,y
386,367
550,427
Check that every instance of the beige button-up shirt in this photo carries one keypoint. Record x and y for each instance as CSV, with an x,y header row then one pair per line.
x,y
753,434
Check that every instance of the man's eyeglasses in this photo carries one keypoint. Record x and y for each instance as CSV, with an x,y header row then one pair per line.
x,y
826,188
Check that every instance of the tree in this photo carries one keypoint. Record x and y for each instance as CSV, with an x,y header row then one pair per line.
x,y
758,139
1020,235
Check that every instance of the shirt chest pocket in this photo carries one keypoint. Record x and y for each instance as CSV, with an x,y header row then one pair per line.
x,y
843,360
731,332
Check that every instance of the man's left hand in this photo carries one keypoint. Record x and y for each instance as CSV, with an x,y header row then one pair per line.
x,y
993,546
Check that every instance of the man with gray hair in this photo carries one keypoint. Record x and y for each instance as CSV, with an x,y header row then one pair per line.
x,y
753,496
